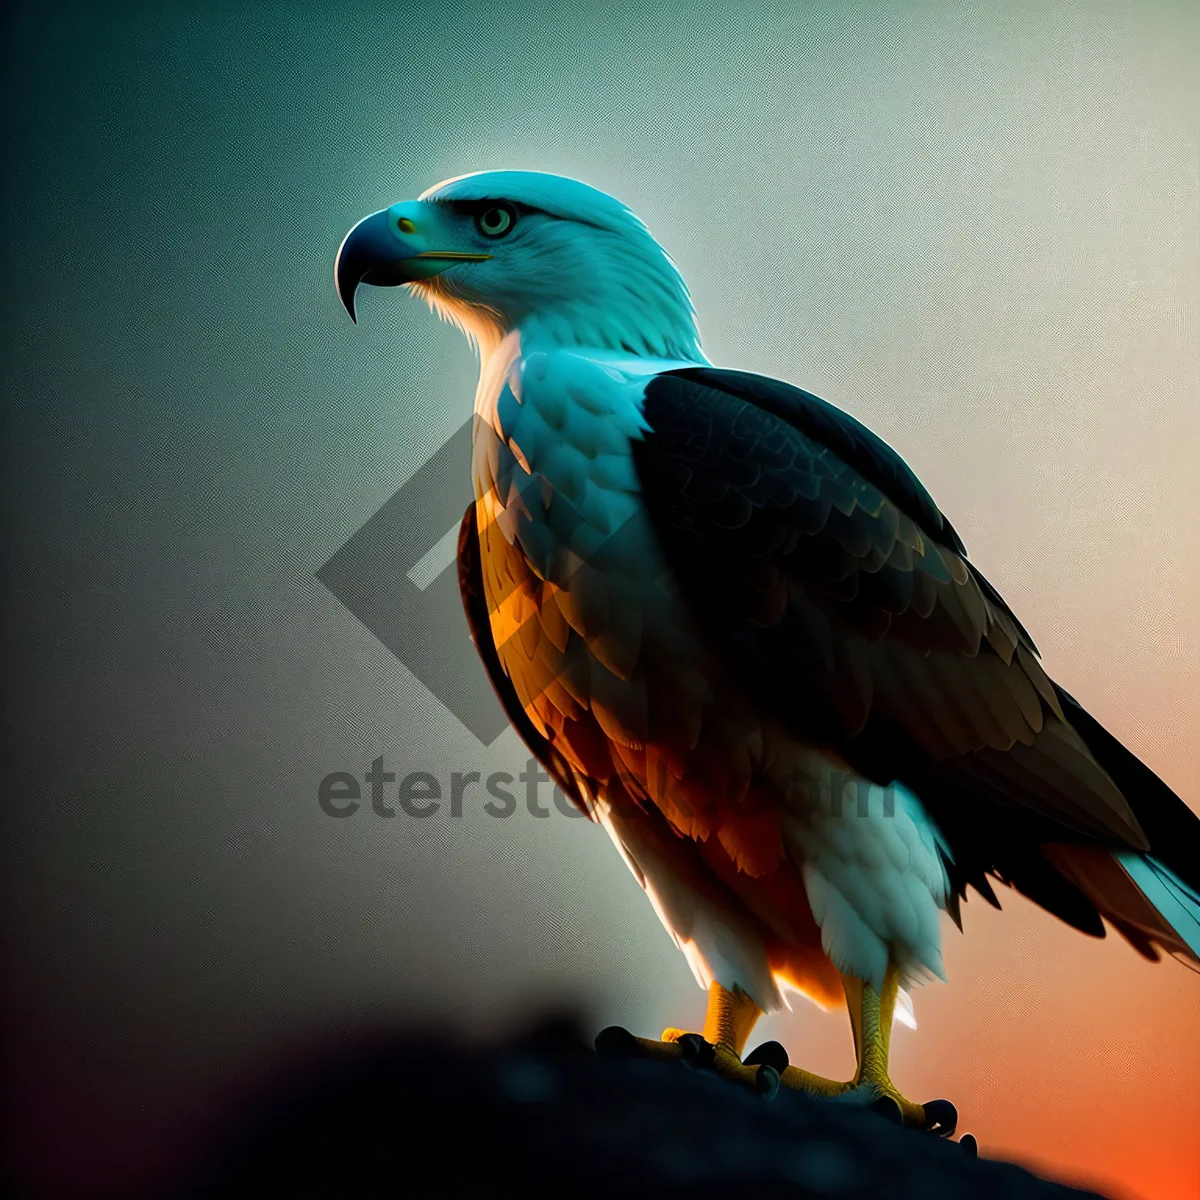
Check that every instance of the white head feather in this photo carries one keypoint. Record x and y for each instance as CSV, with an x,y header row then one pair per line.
x,y
577,269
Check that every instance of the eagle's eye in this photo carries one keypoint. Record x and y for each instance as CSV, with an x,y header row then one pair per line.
x,y
496,220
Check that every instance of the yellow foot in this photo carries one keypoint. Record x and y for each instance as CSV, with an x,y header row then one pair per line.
x,y
883,1097
763,1070
873,1090
731,1017
692,1050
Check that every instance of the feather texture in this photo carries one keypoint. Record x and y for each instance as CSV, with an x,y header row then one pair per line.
x,y
810,552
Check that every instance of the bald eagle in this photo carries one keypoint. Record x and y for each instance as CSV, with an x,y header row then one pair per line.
x,y
741,636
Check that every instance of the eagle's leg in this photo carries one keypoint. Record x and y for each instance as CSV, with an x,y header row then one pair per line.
x,y
730,1018
871,1019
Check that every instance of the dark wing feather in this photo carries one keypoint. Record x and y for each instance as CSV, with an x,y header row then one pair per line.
x,y
852,442
843,596
470,584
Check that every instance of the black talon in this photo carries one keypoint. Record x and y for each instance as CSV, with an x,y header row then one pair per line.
x,y
770,1054
969,1144
766,1081
616,1042
887,1107
941,1117
696,1051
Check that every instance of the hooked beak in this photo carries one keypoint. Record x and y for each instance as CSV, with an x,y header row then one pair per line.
x,y
382,251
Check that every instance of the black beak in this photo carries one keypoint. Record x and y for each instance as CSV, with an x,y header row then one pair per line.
x,y
370,253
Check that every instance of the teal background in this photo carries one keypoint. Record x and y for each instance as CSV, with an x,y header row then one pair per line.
x,y
974,226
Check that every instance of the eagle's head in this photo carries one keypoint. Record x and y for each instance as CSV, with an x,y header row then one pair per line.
x,y
554,258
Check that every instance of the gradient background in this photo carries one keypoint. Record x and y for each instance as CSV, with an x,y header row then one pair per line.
x,y
975,226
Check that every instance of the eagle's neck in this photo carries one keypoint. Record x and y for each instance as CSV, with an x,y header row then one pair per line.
x,y
508,350
494,366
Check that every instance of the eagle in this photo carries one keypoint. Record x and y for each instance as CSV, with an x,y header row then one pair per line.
x,y
740,635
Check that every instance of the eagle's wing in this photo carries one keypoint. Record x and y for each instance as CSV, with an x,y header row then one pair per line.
x,y
470,585
843,596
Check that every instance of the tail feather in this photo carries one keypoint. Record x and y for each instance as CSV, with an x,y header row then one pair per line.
x,y
1141,897
1152,898
1172,829
1177,902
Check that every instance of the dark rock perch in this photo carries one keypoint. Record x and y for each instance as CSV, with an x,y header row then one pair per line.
x,y
430,1115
